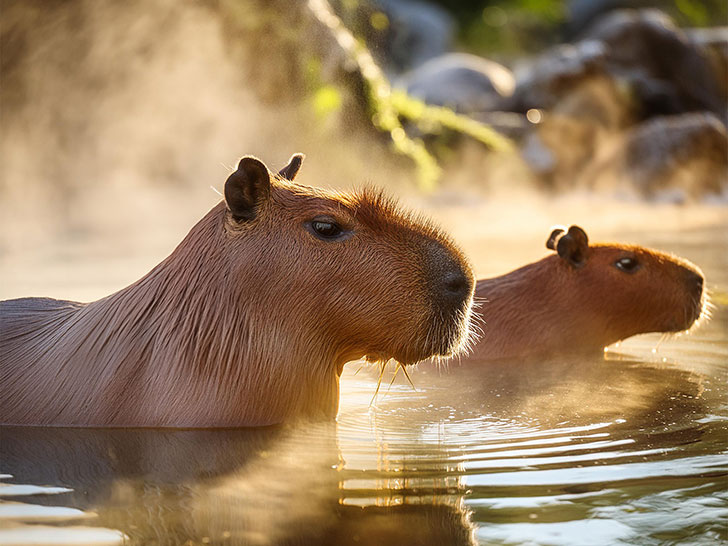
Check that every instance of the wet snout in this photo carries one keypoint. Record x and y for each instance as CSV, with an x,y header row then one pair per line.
x,y
451,282
694,283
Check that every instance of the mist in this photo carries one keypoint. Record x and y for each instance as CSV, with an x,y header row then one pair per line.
x,y
120,123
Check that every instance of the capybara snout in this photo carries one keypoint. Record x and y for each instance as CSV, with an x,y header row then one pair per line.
x,y
452,280
694,283
676,296
451,285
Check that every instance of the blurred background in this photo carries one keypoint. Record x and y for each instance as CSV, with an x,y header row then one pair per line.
x,y
500,118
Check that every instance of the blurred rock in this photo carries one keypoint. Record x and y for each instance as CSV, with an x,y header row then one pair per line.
x,y
567,136
582,13
559,147
466,83
674,157
714,43
668,73
546,80
419,31
599,100
510,124
400,34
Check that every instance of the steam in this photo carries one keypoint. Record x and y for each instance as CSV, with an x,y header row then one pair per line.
x,y
118,117
119,110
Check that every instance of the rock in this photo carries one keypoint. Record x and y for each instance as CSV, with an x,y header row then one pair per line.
x,y
511,124
559,147
668,73
400,34
567,137
714,43
419,31
583,13
680,157
545,81
466,83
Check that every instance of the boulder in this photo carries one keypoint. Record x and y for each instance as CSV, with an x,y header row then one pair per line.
x,y
668,72
672,157
466,83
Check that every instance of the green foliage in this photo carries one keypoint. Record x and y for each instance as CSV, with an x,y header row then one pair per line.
x,y
511,27
387,108
431,119
326,101
693,11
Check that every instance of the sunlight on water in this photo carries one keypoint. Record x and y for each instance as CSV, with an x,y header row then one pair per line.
x,y
25,524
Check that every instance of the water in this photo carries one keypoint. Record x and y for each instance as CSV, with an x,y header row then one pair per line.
x,y
629,449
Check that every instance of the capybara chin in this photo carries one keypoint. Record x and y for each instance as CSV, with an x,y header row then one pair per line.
x,y
585,297
249,321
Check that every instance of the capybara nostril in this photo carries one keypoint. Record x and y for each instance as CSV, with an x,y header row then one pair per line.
x,y
695,282
456,287
452,281
453,287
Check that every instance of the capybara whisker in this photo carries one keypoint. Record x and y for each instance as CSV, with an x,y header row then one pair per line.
x,y
382,366
394,376
249,321
407,375
707,309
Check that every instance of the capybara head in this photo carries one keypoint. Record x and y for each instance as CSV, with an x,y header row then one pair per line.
x,y
346,271
617,291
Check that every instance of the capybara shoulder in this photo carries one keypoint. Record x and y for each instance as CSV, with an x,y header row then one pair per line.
x,y
251,318
585,297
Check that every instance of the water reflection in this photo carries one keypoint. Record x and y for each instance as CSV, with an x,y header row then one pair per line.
x,y
271,486
23,523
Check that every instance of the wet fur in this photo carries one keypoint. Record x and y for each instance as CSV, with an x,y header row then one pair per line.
x,y
550,307
245,323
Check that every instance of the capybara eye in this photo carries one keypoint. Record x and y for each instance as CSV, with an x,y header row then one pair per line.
x,y
326,229
628,265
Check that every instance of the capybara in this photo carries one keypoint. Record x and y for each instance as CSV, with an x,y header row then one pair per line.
x,y
249,321
585,297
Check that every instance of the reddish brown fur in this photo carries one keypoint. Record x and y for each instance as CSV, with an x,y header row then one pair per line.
x,y
550,307
245,323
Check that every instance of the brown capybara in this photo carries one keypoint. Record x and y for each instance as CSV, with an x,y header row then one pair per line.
x,y
249,321
584,298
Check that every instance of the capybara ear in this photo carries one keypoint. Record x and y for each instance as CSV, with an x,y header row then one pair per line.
x,y
573,246
290,171
580,235
555,234
247,188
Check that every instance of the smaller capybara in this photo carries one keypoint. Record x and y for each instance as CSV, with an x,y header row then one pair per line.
x,y
249,321
583,298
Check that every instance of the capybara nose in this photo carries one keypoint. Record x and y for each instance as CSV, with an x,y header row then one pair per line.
x,y
454,288
451,281
695,282
456,285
